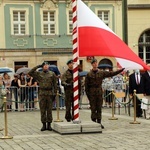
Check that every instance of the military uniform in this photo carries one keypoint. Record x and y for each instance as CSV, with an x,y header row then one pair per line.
x,y
47,91
93,89
67,82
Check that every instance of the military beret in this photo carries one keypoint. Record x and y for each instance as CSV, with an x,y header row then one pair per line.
x,y
69,61
93,61
45,63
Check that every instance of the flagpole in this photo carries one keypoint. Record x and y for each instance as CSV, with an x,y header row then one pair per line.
x,y
75,65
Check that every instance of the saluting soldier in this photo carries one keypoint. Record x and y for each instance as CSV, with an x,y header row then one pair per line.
x,y
67,82
47,91
93,89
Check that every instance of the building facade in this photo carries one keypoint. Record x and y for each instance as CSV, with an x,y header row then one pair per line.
x,y
139,28
34,31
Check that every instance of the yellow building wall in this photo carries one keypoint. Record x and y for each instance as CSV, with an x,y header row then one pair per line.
x,y
138,1
138,22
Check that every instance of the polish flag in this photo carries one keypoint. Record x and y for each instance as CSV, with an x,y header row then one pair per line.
x,y
95,38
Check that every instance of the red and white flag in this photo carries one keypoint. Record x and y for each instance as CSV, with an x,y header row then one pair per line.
x,y
95,38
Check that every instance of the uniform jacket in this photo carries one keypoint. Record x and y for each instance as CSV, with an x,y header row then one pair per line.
x,y
133,85
47,81
93,81
67,82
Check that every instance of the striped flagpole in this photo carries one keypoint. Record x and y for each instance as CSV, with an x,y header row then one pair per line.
x,y
75,66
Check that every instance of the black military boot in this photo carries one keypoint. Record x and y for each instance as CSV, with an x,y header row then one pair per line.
x,y
49,126
99,121
44,126
94,120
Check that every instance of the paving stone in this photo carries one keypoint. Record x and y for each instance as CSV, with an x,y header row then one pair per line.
x,y
118,134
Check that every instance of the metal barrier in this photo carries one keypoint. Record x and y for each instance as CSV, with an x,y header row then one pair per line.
x,y
5,121
107,97
134,99
117,87
113,106
21,99
26,99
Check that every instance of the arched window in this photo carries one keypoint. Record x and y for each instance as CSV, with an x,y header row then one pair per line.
x,y
106,63
144,46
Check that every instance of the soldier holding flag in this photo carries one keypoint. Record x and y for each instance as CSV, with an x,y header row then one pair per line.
x,y
93,89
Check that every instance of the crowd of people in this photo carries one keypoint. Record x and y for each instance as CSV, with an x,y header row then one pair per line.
x,y
97,85
22,88
23,91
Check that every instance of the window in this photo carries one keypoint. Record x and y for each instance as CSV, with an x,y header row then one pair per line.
x,y
104,16
144,46
49,22
19,23
70,22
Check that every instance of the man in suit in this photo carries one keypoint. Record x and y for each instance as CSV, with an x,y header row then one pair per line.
x,y
136,83
146,82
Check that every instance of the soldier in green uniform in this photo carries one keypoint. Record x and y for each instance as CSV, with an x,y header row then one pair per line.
x,y
67,82
47,91
93,89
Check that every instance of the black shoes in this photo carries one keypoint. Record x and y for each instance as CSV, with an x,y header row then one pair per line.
x,y
99,121
68,120
44,127
102,126
94,120
49,128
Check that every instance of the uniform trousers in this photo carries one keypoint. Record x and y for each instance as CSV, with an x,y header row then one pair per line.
x,y
96,102
46,108
69,104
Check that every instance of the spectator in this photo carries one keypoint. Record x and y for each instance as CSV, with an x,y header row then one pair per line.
x,y
126,83
108,86
2,86
7,82
14,90
22,91
118,85
61,96
31,84
146,83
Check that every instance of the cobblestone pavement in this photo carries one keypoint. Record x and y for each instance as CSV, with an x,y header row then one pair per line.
x,y
119,134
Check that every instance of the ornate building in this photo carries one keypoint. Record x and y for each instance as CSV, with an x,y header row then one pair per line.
x,y
33,31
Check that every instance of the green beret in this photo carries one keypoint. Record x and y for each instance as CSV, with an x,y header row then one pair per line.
x,y
93,61
45,63
69,61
